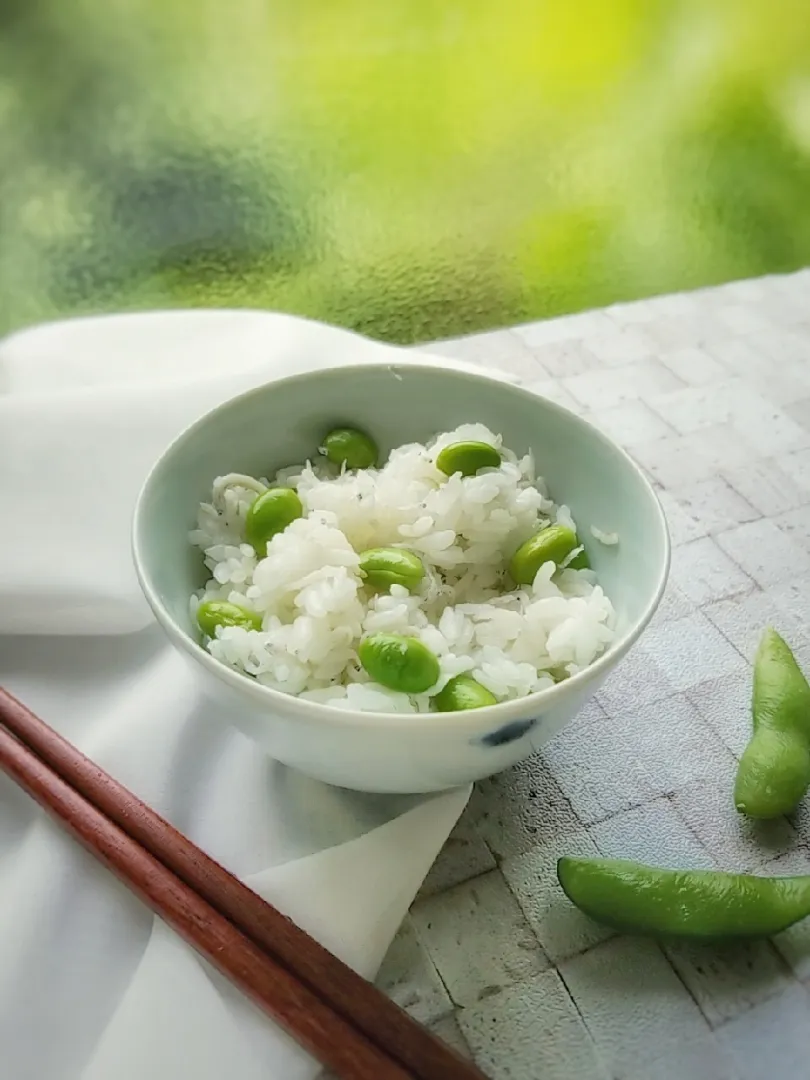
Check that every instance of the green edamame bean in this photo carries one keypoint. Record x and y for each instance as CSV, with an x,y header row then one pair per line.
x,y
399,663
580,562
214,613
774,770
384,567
271,513
551,544
463,692
351,447
467,458
707,904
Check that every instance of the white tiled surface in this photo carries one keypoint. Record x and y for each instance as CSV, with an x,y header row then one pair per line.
x,y
711,393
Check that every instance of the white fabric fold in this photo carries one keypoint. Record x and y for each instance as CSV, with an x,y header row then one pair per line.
x,y
74,451
91,985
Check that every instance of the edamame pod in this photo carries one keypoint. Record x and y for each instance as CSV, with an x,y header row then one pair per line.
x,y
774,770
707,904
271,513
350,447
467,458
214,613
463,692
384,567
551,544
399,663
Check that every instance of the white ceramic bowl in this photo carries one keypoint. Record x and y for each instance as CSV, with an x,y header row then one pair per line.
x,y
282,423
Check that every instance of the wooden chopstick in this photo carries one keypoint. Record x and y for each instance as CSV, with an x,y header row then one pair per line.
x,y
328,1037
351,1025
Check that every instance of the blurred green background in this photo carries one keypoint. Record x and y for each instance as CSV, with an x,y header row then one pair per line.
x,y
410,169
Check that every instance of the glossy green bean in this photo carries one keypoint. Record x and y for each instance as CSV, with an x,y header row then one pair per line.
x,y
551,544
707,904
467,458
214,613
383,567
461,693
399,663
271,513
774,770
350,447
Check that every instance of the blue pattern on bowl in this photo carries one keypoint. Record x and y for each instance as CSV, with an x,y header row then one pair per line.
x,y
509,732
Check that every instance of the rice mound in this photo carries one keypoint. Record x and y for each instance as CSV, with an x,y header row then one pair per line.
x,y
316,608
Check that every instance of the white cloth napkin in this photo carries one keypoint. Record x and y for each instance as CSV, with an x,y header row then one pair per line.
x,y
92,987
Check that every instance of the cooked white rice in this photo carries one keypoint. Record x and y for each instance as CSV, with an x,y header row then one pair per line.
x,y
316,608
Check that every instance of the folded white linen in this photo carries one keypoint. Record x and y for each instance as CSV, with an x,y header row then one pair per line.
x,y
91,985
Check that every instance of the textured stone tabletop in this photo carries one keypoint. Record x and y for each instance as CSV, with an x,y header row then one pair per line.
x,y
710,391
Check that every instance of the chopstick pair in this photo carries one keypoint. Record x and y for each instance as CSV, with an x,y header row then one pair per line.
x,y
337,1016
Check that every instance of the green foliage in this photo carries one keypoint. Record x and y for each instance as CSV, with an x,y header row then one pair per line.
x,y
405,169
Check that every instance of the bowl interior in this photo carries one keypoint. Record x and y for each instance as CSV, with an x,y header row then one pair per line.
x,y
283,423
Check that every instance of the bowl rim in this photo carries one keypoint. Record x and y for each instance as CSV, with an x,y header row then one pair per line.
x,y
486,718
